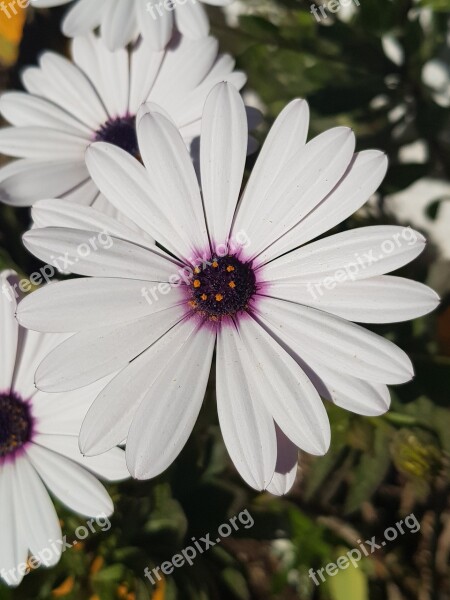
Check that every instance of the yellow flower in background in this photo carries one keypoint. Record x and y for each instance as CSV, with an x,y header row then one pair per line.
x,y
12,20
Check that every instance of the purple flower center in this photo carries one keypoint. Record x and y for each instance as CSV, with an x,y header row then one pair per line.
x,y
222,287
16,423
120,131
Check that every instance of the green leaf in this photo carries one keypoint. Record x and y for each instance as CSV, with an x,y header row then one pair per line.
x,y
369,472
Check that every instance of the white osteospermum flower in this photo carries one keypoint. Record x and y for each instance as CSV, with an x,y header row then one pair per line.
x,y
98,97
436,75
237,278
122,21
39,449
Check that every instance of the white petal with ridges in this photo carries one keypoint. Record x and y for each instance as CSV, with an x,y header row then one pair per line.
x,y
91,355
38,519
84,299
127,185
335,342
287,465
247,427
383,299
61,247
285,139
361,180
286,391
359,253
167,414
303,182
223,151
9,327
73,485
170,169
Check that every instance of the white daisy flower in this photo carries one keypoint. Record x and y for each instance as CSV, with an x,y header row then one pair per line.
x,y
237,278
122,21
39,449
97,97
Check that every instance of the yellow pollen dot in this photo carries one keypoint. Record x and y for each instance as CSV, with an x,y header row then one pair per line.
x,y
204,297
192,303
197,270
197,283
219,297
215,264
230,269
232,285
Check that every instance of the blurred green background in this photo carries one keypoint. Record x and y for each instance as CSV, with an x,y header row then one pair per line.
x,y
381,67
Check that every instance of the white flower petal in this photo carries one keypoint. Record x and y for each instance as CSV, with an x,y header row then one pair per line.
x,y
38,519
109,419
13,549
287,465
191,19
359,396
286,391
167,414
361,180
119,26
66,85
303,182
24,110
33,347
84,299
83,17
126,184
383,299
247,427
91,355
110,466
173,177
70,483
285,139
156,25
108,71
20,179
9,328
57,245
42,143
223,152
335,342
53,213
360,253
145,67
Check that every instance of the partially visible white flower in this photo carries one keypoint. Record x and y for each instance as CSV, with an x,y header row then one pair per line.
x,y
393,50
39,448
236,276
122,21
347,11
416,152
410,207
97,97
436,75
